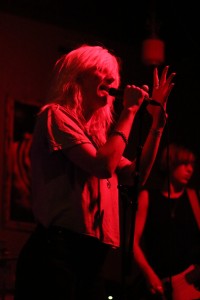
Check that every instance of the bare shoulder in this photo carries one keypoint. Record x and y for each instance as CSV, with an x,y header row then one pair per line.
x,y
143,198
144,193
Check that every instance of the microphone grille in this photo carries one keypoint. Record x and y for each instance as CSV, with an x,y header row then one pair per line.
x,y
115,92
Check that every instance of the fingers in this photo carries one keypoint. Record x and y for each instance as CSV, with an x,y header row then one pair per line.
x,y
170,78
157,290
169,90
164,75
162,87
163,78
137,92
155,78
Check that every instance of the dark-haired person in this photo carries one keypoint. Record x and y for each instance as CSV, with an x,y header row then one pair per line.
x,y
167,230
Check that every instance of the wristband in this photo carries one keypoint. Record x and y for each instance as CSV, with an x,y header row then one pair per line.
x,y
120,133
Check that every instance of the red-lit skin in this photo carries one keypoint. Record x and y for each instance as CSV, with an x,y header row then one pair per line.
x,y
179,178
94,96
103,163
95,86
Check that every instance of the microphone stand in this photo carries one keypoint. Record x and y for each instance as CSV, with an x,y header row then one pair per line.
x,y
127,192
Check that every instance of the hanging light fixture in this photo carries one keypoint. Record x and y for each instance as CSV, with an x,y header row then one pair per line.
x,y
153,48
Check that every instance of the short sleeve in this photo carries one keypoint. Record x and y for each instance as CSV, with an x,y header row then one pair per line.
x,y
63,130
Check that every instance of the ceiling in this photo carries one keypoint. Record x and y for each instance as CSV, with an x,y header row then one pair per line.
x,y
121,20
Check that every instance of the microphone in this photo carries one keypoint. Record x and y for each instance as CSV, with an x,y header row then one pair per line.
x,y
119,94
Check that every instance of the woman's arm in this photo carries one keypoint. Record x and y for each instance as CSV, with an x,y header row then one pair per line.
x,y
153,282
161,90
104,161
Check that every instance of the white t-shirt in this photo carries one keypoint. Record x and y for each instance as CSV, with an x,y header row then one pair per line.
x,y
62,193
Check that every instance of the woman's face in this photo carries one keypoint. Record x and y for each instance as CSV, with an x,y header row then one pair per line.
x,y
94,88
182,173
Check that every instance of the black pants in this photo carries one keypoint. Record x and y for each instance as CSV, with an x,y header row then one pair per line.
x,y
61,265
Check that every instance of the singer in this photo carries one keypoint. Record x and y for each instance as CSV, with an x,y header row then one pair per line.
x,y
77,164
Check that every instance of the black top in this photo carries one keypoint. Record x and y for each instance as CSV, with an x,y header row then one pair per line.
x,y
171,235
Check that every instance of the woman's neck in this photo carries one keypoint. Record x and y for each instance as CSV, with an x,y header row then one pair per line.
x,y
174,191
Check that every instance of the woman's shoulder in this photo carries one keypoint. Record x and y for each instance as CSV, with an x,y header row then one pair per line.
x,y
58,112
54,107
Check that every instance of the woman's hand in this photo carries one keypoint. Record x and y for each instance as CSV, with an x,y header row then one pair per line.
x,y
155,284
134,96
163,86
161,91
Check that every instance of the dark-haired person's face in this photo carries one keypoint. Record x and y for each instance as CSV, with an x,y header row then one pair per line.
x,y
182,173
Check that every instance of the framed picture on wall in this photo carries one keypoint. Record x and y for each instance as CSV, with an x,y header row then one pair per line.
x,y
19,124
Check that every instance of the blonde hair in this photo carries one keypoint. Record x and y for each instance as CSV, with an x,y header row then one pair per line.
x,y
66,88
